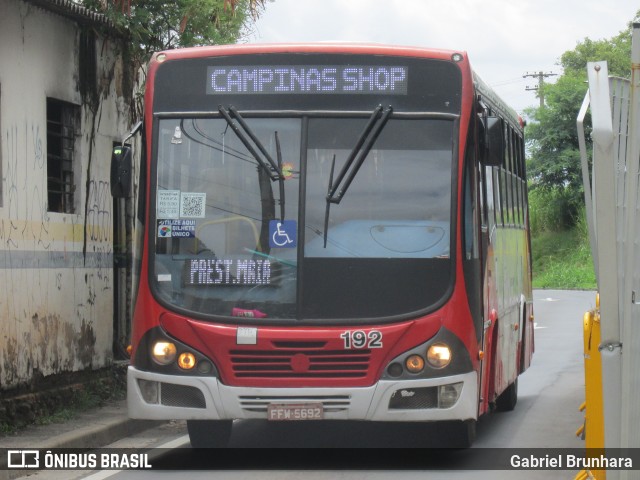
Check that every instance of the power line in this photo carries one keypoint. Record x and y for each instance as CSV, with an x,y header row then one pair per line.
x,y
538,88
506,82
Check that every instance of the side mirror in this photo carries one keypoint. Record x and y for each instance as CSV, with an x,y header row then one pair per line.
x,y
494,145
136,128
121,166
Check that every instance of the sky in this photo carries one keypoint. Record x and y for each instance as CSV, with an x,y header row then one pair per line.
x,y
505,39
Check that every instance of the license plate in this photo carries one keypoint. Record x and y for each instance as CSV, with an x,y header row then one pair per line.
x,y
298,411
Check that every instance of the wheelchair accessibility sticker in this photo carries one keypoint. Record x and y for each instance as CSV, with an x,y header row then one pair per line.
x,y
282,234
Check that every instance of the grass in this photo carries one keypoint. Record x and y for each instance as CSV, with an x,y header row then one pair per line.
x,y
83,400
560,241
562,260
58,405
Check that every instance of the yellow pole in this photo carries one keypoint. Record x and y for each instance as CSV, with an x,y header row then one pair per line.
x,y
593,428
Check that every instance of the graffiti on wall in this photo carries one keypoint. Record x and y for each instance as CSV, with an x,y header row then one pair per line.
x,y
56,303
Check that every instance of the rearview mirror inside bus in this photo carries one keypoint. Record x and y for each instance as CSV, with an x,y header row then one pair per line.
x,y
493,142
121,171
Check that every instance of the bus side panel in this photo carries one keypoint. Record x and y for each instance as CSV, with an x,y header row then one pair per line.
x,y
528,344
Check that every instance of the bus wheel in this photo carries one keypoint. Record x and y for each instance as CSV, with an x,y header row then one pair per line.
x,y
209,433
508,399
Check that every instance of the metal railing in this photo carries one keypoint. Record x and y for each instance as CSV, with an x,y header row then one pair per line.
x,y
611,196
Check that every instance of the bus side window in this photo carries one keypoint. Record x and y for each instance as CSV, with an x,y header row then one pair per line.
x,y
471,212
470,235
498,195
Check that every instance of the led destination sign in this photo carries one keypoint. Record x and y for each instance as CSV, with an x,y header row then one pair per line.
x,y
308,79
229,272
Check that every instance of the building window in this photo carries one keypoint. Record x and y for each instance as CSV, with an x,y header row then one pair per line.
x,y
63,119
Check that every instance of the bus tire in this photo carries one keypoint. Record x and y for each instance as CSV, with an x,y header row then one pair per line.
x,y
508,399
209,433
459,434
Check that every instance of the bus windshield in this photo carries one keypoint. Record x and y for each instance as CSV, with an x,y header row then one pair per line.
x,y
235,238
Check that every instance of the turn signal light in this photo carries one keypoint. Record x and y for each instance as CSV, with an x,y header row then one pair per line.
x,y
187,361
414,363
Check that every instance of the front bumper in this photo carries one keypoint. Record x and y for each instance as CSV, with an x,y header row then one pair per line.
x,y
205,398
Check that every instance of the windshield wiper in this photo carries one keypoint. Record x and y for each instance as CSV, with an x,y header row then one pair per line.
x,y
281,176
367,138
273,169
270,166
328,207
369,135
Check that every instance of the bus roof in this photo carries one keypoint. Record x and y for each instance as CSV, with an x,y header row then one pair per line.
x,y
314,47
493,100
490,97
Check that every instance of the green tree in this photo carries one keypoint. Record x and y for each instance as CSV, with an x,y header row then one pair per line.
x,y
552,141
615,51
155,25
151,26
552,138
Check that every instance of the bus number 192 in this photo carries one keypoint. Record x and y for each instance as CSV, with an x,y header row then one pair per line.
x,y
357,339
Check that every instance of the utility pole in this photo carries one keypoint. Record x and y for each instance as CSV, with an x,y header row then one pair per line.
x,y
538,88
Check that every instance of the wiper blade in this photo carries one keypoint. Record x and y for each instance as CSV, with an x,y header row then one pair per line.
x,y
281,176
360,151
270,167
328,207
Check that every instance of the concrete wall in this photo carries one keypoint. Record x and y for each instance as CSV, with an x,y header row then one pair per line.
x,y
56,277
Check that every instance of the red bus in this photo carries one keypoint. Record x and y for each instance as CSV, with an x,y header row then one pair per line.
x,y
331,232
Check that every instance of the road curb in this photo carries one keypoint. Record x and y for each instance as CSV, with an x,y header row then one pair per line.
x,y
96,436
90,430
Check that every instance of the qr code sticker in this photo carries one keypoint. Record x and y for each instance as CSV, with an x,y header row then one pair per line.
x,y
192,205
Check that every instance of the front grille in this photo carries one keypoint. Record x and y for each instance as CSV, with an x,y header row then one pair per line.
x,y
330,403
414,398
306,361
298,344
172,395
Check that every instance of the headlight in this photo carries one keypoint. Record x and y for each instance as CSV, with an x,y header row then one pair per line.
x,y
439,355
163,352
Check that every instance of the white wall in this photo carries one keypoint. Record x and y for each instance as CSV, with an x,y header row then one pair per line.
x,y
56,302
